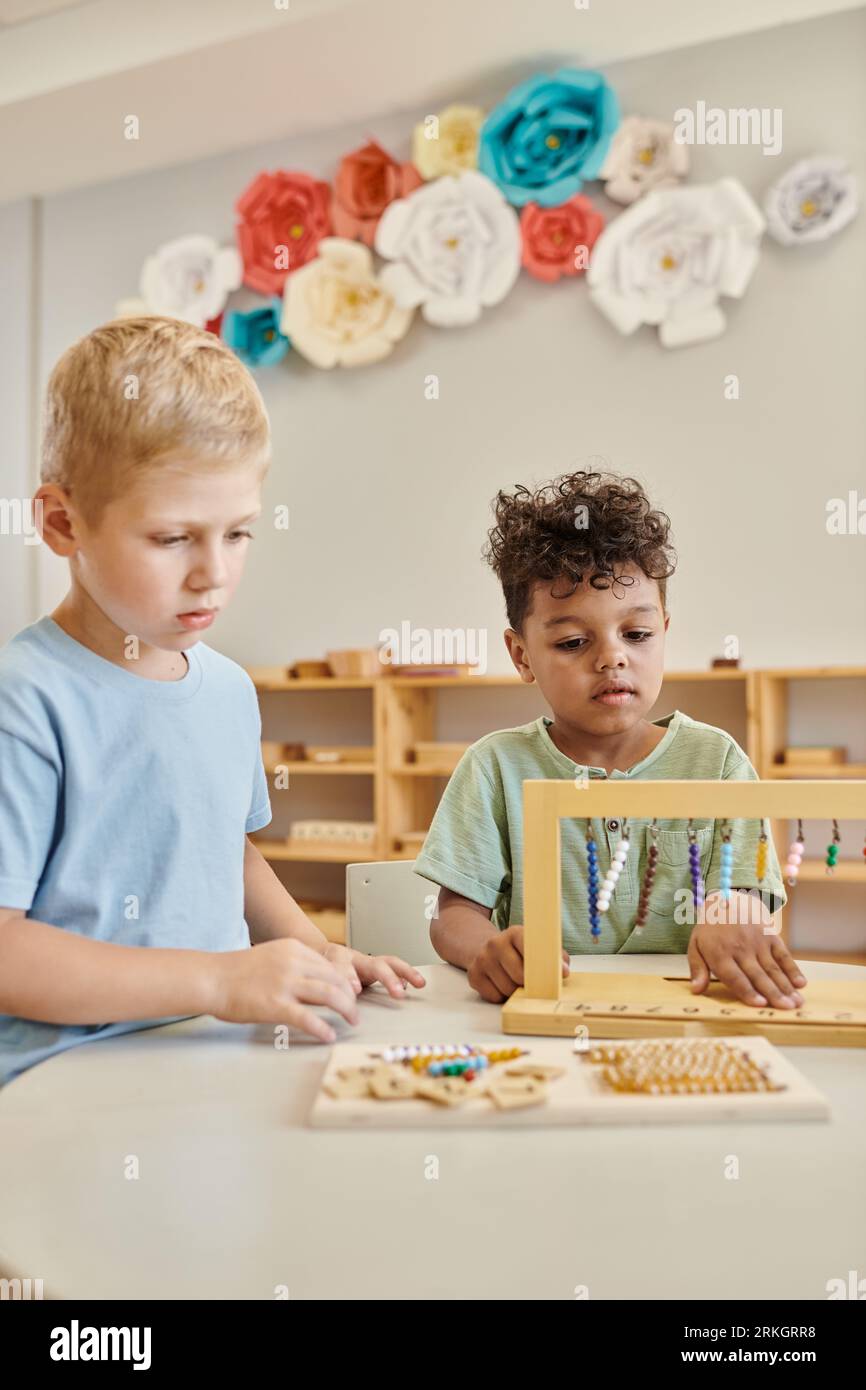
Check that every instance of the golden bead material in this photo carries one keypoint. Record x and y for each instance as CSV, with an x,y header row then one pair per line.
x,y
681,1067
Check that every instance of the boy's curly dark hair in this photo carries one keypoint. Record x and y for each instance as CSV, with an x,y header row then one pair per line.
x,y
581,524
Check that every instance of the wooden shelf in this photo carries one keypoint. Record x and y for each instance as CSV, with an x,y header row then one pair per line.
x,y
840,957
846,871
307,850
404,712
310,766
816,774
814,673
421,770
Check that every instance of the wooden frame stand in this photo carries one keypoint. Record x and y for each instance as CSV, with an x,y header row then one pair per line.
x,y
620,1005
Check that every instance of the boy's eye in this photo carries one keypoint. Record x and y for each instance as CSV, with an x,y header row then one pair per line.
x,y
233,536
575,644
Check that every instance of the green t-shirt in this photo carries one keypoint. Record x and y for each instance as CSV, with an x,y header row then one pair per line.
x,y
475,843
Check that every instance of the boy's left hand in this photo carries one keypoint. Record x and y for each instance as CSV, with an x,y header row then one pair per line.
x,y
756,966
363,970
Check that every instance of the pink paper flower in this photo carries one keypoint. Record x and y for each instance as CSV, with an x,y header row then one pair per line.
x,y
367,181
557,241
283,216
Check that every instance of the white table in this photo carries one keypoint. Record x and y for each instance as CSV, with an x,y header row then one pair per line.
x,y
237,1196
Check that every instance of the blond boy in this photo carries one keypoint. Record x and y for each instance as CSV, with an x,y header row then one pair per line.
x,y
130,763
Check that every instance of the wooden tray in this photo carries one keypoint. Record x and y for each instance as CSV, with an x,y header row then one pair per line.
x,y
578,1098
652,1006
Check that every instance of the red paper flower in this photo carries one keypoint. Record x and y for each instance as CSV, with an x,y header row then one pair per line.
x,y
283,218
554,237
368,180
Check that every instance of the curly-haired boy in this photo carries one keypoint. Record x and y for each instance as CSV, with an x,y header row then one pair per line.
x,y
584,563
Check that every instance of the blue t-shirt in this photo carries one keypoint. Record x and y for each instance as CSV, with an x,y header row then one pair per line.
x,y
124,803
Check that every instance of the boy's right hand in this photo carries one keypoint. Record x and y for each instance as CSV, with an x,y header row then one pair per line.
x,y
275,981
497,970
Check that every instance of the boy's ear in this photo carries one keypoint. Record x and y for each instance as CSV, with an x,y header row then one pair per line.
x,y
517,652
51,507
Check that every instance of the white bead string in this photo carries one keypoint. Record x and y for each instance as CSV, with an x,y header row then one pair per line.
x,y
617,864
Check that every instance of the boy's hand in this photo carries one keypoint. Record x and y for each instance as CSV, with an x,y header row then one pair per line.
x,y
497,970
276,981
361,970
756,966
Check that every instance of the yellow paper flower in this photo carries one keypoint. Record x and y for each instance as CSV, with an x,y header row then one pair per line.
x,y
449,143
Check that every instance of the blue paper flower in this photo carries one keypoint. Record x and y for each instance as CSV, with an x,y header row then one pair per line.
x,y
548,136
255,336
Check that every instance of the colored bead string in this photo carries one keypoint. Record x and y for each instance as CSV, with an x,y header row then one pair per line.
x,y
422,1056
795,856
649,875
592,882
726,867
620,855
833,849
695,866
761,856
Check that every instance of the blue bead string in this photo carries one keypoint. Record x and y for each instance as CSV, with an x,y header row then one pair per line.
x,y
592,876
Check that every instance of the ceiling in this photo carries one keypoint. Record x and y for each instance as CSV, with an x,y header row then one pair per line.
x,y
211,75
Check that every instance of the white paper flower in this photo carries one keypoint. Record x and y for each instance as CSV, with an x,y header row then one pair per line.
x,y
336,312
455,244
643,155
812,201
667,260
190,278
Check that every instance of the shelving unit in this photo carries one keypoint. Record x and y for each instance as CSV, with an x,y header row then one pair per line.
x,y
404,710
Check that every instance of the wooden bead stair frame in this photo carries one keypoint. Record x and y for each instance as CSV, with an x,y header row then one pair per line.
x,y
618,1005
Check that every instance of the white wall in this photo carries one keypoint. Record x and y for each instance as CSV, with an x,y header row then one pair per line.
x,y
389,493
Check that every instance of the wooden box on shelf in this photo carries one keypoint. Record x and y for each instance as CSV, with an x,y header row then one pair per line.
x,y
340,753
333,832
274,752
814,757
438,755
360,663
309,670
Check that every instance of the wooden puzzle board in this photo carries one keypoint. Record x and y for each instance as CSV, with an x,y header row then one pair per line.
x,y
649,1006
580,1097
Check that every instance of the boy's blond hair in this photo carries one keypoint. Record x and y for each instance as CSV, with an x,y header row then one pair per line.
x,y
140,392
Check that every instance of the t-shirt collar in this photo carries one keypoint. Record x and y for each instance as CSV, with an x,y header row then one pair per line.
x,y
670,723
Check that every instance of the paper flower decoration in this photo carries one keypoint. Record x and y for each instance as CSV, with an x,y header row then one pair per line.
x,y
283,218
367,181
548,136
255,336
667,260
455,244
190,278
814,200
554,237
337,313
643,155
451,145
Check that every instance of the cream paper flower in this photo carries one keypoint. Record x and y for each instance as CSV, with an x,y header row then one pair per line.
x,y
190,278
643,156
335,310
455,147
815,199
669,258
455,244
